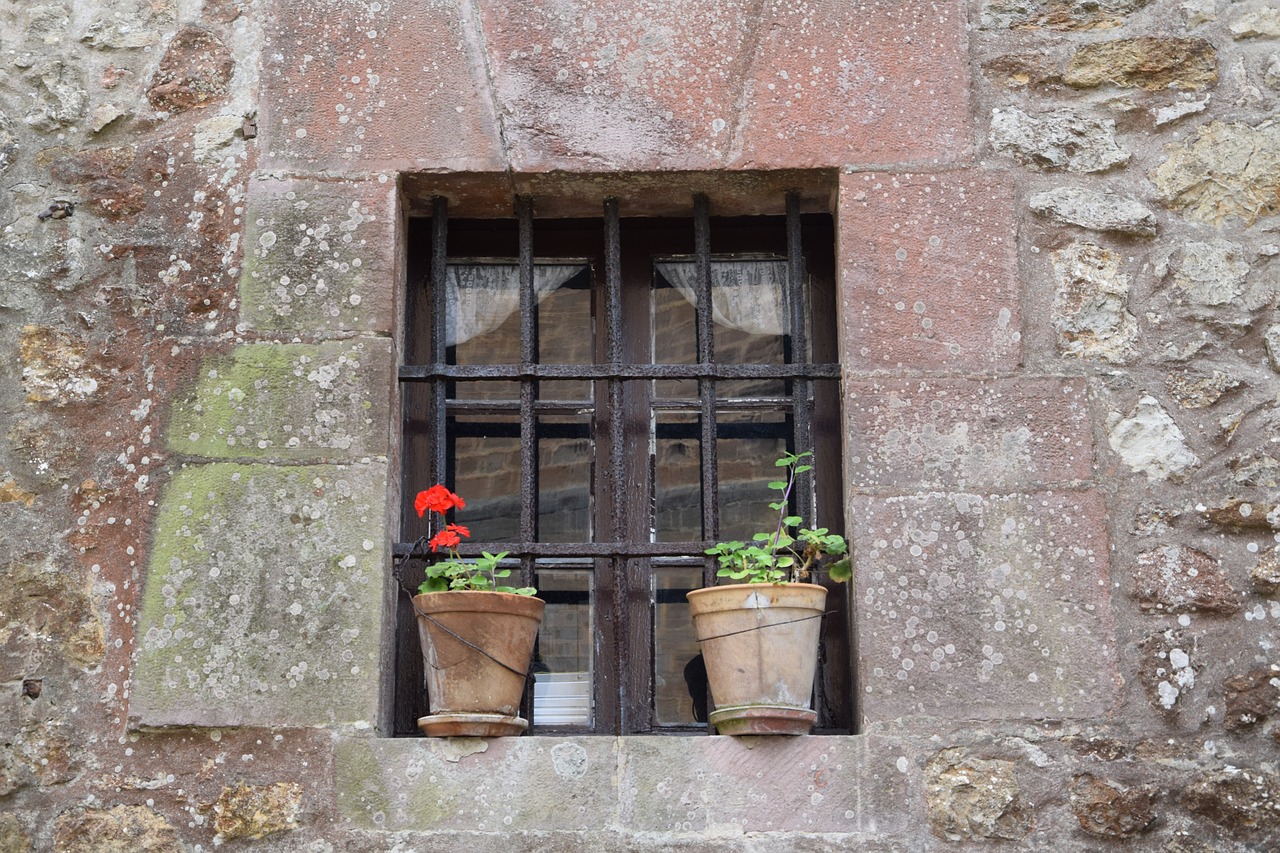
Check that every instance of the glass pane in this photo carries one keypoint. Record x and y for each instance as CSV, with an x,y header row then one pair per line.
x,y
675,338
679,678
565,336
486,459
562,663
565,452
677,468
747,445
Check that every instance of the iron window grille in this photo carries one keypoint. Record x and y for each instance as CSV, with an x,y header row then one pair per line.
x,y
663,423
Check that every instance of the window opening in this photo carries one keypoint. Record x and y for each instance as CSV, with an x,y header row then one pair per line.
x,y
605,432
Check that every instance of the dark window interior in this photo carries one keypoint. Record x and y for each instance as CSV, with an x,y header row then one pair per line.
x,y
605,432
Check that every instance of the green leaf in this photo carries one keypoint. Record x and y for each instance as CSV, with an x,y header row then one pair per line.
x,y
792,520
783,462
800,469
778,484
841,571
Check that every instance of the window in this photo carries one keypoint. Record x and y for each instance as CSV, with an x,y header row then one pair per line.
x,y
605,431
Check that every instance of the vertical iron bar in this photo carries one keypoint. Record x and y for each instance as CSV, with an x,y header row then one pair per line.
x,y
799,352
528,356
439,329
614,608
706,387
613,320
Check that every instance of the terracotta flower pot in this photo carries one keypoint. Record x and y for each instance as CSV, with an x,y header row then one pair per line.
x,y
476,648
760,644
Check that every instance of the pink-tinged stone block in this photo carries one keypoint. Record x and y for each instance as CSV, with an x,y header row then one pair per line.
x,y
835,82
320,256
629,85
928,271
739,83
394,85
974,607
1025,433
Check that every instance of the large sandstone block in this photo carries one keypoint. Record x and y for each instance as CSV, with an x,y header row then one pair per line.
x,y
975,607
679,787
909,434
297,402
320,256
393,85
928,271
264,598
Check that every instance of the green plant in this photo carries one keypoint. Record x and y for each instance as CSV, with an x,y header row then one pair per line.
x,y
790,552
482,573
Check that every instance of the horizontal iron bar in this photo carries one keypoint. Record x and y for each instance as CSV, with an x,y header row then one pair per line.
x,y
576,549
511,372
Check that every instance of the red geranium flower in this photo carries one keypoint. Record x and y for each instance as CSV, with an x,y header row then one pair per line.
x,y
437,499
448,538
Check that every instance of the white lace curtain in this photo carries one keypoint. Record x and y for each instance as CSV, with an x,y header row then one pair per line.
x,y
481,296
745,295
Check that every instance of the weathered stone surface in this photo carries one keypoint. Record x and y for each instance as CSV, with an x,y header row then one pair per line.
x,y
1256,21
1255,469
1110,810
972,607
396,85
996,434
969,799
122,829
8,145
1271,340
132,25
1210,273
1240,800
1098,211
254,811
1061,139
1181,109
103,178
1197,12
318,256
56,367
1149,441
670,787
1195,390
1176,579
1272,74
1252,697
1227,170
11,492
194,72
58,97
1090,304
263,597
1242,514
1058,14
929,276
1016,70
1147,62
13,838
49,608
1168,668
289,401
1265,576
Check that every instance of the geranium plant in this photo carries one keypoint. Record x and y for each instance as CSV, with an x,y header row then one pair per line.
x,y
790,552
455,573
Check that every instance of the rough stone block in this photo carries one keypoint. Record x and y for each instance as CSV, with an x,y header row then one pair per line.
x,y
309,402
394,85
742,83
319,256
975,607
672,787
263,598
929,271
961,433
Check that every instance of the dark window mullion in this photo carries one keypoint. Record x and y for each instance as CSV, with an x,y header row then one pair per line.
x,y
706,387
611,605
799,352
439,332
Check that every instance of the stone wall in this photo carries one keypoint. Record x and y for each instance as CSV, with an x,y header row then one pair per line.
x,y
1057,249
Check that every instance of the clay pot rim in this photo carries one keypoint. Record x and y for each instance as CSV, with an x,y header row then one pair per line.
x,y
478,601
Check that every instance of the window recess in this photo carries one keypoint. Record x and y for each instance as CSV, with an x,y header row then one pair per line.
x,y
603,429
